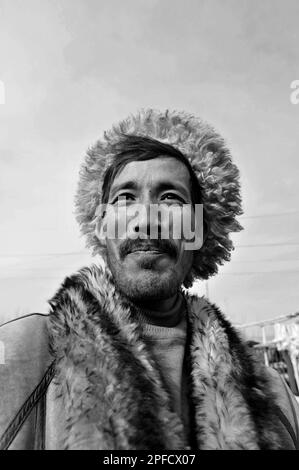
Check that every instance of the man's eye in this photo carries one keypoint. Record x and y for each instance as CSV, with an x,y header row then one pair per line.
x,y
124,197
172,197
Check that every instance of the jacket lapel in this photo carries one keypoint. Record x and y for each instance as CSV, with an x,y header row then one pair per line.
x,y
113,394
223,420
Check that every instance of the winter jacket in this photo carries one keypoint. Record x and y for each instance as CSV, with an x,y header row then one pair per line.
x,y
82,378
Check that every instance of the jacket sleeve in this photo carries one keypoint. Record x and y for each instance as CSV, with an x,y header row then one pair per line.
x,y
23,362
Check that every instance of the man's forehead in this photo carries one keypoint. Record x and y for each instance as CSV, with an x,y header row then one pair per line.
x,y
156,170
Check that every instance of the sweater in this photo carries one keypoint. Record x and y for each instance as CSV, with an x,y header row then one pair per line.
x,y
167,348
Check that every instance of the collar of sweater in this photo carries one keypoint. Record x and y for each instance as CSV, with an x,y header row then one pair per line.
x,y
155,329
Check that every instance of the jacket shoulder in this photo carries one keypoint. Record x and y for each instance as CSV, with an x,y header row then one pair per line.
x,y
24,359
23,337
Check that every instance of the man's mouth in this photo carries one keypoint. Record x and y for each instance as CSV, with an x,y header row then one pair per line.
x,y
146,249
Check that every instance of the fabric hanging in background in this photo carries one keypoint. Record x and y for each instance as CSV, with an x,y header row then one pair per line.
x,y
286,337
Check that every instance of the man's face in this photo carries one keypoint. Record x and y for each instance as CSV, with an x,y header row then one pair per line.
x,y
147,269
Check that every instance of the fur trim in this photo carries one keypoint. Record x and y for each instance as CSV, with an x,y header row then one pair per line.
x,y
234,403
113,394
210,160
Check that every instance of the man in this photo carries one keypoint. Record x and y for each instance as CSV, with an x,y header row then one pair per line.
x,y
135,362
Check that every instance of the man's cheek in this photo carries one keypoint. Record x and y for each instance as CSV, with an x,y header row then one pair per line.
x,y
171,222
191,226
112,249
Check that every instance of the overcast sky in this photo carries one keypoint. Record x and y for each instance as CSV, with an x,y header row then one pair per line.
x,y
73,67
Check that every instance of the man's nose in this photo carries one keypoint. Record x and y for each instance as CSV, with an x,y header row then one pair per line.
x,y
148,222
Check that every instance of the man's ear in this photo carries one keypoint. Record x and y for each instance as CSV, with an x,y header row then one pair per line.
x,y
101,229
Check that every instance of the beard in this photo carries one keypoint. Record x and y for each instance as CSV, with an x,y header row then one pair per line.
x,y
146,283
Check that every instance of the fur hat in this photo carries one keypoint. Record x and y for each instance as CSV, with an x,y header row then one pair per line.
x,y
210,159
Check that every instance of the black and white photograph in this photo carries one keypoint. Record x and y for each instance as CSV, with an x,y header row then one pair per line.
x,y
149,248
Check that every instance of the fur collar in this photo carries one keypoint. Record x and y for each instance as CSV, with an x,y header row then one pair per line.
x,y
113,393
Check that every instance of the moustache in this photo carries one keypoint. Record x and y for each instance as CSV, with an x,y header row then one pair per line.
x,y
130,245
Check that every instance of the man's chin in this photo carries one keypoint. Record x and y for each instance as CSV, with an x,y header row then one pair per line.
x,y
148,284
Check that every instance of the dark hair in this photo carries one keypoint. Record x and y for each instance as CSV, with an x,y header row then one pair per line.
x,y
136,148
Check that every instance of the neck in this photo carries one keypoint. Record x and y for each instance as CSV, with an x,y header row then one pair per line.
x,y
166,312
158,305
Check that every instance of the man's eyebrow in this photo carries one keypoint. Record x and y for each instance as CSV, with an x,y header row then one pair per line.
x,y
166,185
132,184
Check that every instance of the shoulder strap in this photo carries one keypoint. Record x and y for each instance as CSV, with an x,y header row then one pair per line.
x,y
16,424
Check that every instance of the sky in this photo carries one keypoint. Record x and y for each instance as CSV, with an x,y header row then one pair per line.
x,y
71,68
